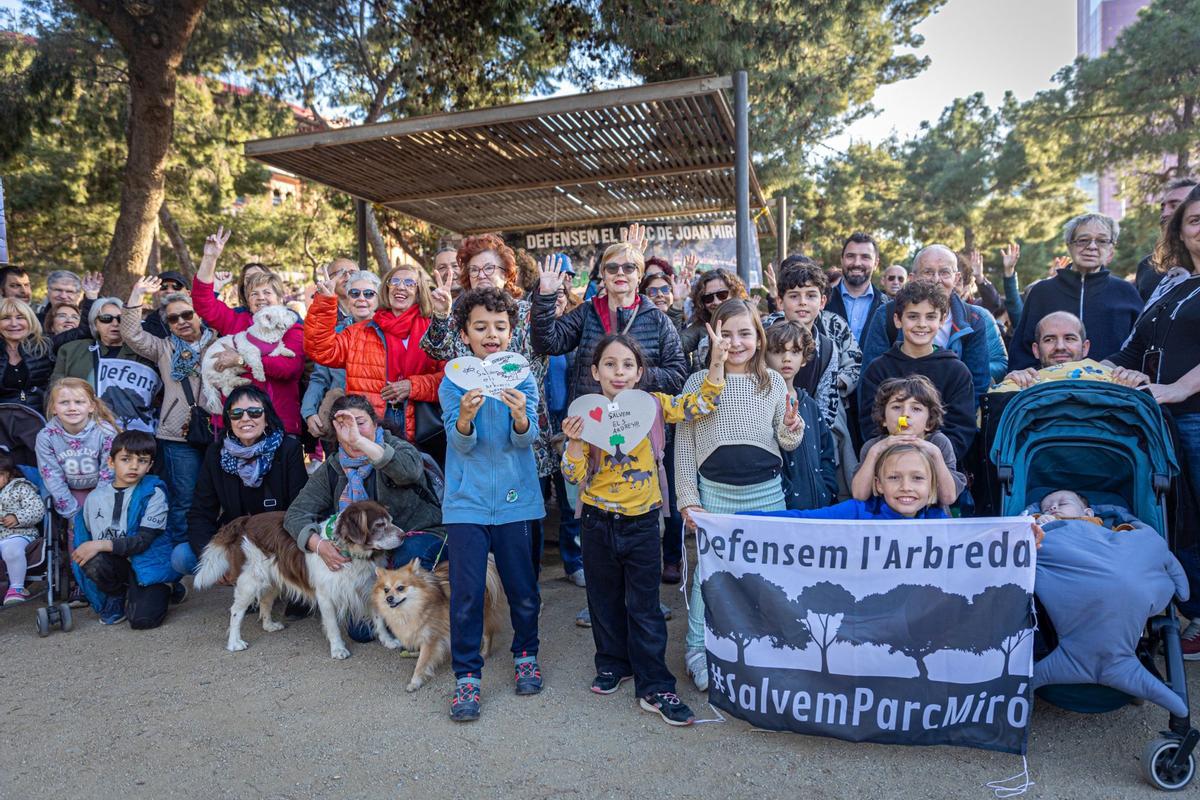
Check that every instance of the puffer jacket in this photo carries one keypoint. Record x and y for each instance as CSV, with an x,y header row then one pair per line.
x,y
580,329
398,482
174,413
34,393
361,350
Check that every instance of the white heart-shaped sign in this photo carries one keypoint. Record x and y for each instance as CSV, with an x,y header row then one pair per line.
x,y
617,425
497,372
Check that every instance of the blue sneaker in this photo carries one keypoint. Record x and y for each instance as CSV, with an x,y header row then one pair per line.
x,y
464,706
113,611
529,676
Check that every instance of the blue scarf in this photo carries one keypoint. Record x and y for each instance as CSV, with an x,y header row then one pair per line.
x,y
357,471
185,356
250,462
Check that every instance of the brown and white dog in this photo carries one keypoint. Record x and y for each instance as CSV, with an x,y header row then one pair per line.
x,y
263,561
415,605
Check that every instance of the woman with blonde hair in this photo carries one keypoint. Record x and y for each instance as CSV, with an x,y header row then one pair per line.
x,y
27,358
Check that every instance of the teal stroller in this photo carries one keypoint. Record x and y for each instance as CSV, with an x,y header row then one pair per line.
x,y
1114,446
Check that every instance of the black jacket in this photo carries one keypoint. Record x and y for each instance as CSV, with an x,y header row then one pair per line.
x,y
221,498
947,372
580,329
810,471
33,392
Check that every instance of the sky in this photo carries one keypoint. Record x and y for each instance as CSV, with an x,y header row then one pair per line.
x,y
975,45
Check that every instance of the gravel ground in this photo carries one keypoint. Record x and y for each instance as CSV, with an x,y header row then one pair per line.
x,y
169,713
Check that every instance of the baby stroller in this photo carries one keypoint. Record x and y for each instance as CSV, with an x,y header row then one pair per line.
x,y
19,427
1116,448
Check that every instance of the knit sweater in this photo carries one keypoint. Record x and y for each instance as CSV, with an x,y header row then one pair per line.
x,y
741,418
20,498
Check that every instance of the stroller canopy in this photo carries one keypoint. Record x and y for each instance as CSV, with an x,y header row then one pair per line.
x,y
1106,441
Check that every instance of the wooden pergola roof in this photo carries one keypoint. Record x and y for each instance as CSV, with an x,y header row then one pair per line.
x,y
639,153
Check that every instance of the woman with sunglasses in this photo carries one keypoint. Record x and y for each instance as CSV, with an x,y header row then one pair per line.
x,y
253,467
261,289
381,355
358,300
708,292
79,359
177,356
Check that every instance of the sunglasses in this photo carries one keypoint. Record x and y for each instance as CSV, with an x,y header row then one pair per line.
x,y
107,319
185,316
367,293
613,269
719,297
407,283
171,286
254,412
655,291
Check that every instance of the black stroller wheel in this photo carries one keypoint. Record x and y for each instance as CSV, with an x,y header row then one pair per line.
x,y
64,618
43,622
1158,769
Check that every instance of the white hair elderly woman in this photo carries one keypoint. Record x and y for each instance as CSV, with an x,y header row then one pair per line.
x,y
1106,303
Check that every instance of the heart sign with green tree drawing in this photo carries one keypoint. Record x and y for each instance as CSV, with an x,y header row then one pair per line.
x,y
497,372
615,426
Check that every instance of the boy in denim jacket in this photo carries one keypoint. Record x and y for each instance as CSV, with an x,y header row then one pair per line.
x,y
492,497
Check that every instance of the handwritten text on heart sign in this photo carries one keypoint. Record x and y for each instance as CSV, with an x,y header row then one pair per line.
x,y
498,372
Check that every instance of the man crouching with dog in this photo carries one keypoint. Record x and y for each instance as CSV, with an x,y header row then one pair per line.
x,y
370,464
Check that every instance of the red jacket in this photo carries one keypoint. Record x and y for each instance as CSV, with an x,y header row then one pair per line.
x,y
361,350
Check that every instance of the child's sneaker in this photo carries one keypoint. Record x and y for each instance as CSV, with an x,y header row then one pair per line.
x,y
464,706
578,578
666,611
16,595
76,598
528,675
608,682
179,592
584,618
113,611
1190,641
697,668
669,707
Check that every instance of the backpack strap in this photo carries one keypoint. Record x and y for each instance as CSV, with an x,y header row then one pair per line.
x,y
824,353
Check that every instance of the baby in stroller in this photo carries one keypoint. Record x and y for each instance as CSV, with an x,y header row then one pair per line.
x,y
21,510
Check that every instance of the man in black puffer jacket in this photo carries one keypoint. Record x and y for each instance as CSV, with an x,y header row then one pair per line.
x,y
580,329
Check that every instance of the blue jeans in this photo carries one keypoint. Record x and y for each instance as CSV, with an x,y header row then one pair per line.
x,y
180,471
1188,426
469,547
568,528
428,547
183,560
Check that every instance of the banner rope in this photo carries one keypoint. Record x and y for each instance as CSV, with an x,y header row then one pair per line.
x,y
714,710
1001,791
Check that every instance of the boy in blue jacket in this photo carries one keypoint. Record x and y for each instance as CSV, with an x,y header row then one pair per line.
x,y
122,557
492,498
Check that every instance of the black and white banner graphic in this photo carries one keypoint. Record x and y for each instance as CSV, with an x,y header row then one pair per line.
x,y
891,632
129,387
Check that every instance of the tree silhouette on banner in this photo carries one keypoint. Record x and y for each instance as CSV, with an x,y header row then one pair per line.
x,y
1000,618
751,607
825,605
915,620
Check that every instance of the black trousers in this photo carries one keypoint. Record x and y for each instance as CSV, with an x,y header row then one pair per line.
x,y
145,606
622,561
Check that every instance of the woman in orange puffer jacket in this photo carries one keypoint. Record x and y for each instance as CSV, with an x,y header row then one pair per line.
x,y
382,356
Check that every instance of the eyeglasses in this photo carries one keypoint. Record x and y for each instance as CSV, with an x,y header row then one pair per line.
x,y
718,297
1086,244
254,412
486,271
107,319
171,286
341,273
407,283
186,316
612,269
655,291
942,274
367,293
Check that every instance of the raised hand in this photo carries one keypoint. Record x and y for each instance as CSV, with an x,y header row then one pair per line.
x,y
1058,263
1009,256
791,418
442,296
93,282
769,281
976,259
718,349
215,243
327,287
346,429
680,288
636,236
221,279
572,428
148,284
550,277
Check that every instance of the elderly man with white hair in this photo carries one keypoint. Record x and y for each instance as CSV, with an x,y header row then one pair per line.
x,y
1108,305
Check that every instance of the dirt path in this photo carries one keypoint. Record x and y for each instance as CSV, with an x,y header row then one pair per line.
x,y
115,713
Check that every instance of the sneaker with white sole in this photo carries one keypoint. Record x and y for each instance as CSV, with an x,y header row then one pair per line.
x,y
697,668
1190,641
577,578
584,618
673,710
16,596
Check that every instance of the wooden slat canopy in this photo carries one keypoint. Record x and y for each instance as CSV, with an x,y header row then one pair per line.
x,y
639,153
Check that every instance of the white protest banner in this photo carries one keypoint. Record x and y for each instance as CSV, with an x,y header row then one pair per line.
x,y
497,372
128,387
892,632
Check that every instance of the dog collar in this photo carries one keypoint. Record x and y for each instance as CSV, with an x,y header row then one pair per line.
x,y
326,532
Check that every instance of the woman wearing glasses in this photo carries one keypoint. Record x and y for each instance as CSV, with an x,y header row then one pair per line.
x,y
708,292
1107,304
380,354
253,467
177,357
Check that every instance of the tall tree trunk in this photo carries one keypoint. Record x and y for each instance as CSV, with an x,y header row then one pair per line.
x,y
154,39
1183,157
378,245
